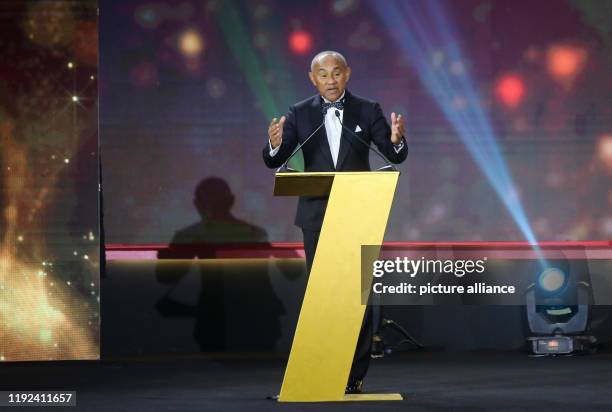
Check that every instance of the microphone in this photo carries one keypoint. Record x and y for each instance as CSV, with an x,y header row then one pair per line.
x,y
284,167
390,166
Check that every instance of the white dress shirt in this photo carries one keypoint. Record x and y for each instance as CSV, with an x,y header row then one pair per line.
x,y
333,129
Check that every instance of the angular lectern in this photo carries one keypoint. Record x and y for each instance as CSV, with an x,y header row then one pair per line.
x,y
332,311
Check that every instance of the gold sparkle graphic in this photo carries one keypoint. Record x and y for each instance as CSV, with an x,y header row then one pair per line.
x,y
40,318
49,299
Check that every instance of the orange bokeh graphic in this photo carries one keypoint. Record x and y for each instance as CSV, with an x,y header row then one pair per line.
x,y
565,62
604,151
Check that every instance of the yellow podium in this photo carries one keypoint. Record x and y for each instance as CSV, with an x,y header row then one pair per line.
x,y
332,311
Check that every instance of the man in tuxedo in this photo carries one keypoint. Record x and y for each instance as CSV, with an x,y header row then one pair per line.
x,y
334,149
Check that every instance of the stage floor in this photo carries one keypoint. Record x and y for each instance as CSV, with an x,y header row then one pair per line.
x,y
430,381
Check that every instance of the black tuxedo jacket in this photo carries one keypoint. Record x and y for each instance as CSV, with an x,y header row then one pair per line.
x,y
303,118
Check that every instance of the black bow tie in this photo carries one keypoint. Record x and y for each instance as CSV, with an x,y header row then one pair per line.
x,y
336,105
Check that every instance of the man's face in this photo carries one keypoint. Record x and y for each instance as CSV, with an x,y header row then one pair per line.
x,y
329,75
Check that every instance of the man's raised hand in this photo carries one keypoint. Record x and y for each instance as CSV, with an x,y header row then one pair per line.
x,y
397,128
275,132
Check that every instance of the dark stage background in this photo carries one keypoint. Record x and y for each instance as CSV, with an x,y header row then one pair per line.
x,y
188,88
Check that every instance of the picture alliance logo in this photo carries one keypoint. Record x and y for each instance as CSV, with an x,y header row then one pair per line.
x,y
412,267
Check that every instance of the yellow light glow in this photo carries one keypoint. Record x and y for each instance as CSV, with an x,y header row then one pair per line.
x,y
32,318
191,43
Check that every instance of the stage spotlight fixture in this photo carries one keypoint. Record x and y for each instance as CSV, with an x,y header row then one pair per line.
x,y
552,280
557,305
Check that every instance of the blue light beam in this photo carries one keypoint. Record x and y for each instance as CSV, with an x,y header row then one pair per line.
x,y
421,28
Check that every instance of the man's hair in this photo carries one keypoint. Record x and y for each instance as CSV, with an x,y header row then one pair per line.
x,y
324,54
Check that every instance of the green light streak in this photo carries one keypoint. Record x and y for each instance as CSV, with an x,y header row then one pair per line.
x,y
239,41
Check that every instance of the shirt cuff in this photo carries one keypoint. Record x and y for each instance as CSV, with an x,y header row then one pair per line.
x,y
397,147
273,152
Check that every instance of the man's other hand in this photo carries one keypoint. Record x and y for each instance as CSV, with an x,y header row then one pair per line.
x,y
397,128
275,132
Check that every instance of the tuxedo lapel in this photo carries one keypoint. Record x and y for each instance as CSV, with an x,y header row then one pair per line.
x,y
350,117
316,118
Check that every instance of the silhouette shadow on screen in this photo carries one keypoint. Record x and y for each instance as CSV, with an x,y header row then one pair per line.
x,y
237,302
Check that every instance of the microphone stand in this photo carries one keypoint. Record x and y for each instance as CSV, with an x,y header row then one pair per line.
x,y
388,167
284,167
